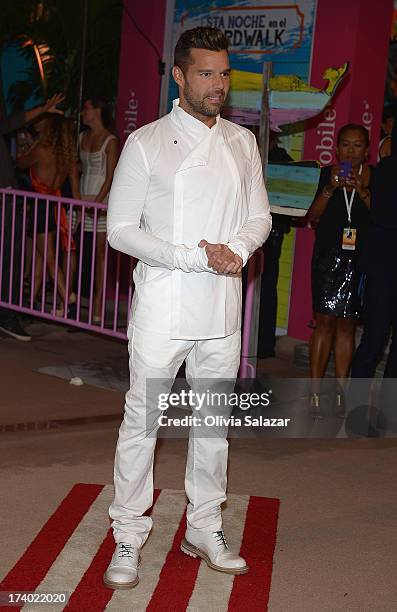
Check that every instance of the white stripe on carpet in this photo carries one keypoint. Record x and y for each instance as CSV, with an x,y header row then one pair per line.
x,y
167,514
212,589
78,552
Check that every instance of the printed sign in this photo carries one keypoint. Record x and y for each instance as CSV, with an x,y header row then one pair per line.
x,y
258,31
255,29
291,187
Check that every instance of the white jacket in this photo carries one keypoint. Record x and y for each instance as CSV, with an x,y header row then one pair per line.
x,y
177,182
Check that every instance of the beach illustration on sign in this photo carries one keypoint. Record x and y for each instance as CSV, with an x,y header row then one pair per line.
x,y
290,98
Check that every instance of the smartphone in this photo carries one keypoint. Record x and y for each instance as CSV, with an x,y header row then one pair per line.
x,y
345,169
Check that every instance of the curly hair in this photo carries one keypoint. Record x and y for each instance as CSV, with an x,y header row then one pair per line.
x,y
59,133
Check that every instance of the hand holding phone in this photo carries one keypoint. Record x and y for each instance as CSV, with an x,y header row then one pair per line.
x,y
345,170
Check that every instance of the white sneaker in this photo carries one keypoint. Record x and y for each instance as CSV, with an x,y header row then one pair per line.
x,y
213,548
122,572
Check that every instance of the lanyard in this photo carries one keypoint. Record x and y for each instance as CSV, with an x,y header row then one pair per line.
x,y
349,203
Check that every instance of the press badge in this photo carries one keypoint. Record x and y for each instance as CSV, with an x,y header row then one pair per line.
x,y
349,239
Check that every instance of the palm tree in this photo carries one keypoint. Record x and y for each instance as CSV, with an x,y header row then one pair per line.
x,y
54,28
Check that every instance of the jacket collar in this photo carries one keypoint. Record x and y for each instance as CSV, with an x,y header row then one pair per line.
x,y
188,123
204,136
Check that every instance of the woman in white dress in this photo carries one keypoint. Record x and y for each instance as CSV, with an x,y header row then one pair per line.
x,y
99,150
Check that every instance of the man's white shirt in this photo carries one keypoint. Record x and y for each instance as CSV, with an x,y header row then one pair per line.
x,y
177,182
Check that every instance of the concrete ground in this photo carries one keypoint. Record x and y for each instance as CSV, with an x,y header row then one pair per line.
x,y
337,544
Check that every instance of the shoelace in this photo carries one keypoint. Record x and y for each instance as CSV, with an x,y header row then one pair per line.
x,y
220,538
126,550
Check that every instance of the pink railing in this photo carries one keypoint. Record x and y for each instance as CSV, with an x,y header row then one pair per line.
x,y
22,211
75,270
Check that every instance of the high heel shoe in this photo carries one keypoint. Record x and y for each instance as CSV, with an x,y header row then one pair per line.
x,y
340,407
315,406
72,308
60,312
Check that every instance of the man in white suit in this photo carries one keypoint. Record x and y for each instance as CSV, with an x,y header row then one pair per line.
x,y
189,202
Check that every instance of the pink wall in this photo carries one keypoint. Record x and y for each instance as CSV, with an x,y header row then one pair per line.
x,y
356,31
139,79
139,84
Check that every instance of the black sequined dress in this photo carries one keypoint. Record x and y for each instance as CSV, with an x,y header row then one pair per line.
x,y
337,274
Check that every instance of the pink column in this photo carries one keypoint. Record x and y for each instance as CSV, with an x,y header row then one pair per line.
x,y
357,32
139,78
139,85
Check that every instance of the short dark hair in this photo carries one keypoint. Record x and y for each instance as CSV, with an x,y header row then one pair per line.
x,y
353,126
211,39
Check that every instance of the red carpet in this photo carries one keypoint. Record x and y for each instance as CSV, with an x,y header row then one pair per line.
x,y
73,549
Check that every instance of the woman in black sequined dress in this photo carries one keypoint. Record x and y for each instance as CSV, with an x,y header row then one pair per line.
x,y
340,215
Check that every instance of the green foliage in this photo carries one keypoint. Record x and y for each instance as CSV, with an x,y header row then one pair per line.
x,y
58,25
22,90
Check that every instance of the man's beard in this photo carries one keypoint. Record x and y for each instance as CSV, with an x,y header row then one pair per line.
x,y
201,107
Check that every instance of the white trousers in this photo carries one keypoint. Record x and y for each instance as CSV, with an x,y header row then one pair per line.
x,y
155,356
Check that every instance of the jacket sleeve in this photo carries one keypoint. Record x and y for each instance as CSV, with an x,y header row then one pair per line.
x,y
257,227
16,121
125,208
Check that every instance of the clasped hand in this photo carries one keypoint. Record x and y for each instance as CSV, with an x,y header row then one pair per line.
x,y
222,259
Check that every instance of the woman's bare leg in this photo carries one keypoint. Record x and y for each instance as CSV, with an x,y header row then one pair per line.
x,y
38,274
320,348
344,346
72,269
99,270
27,267
51,262
321,344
